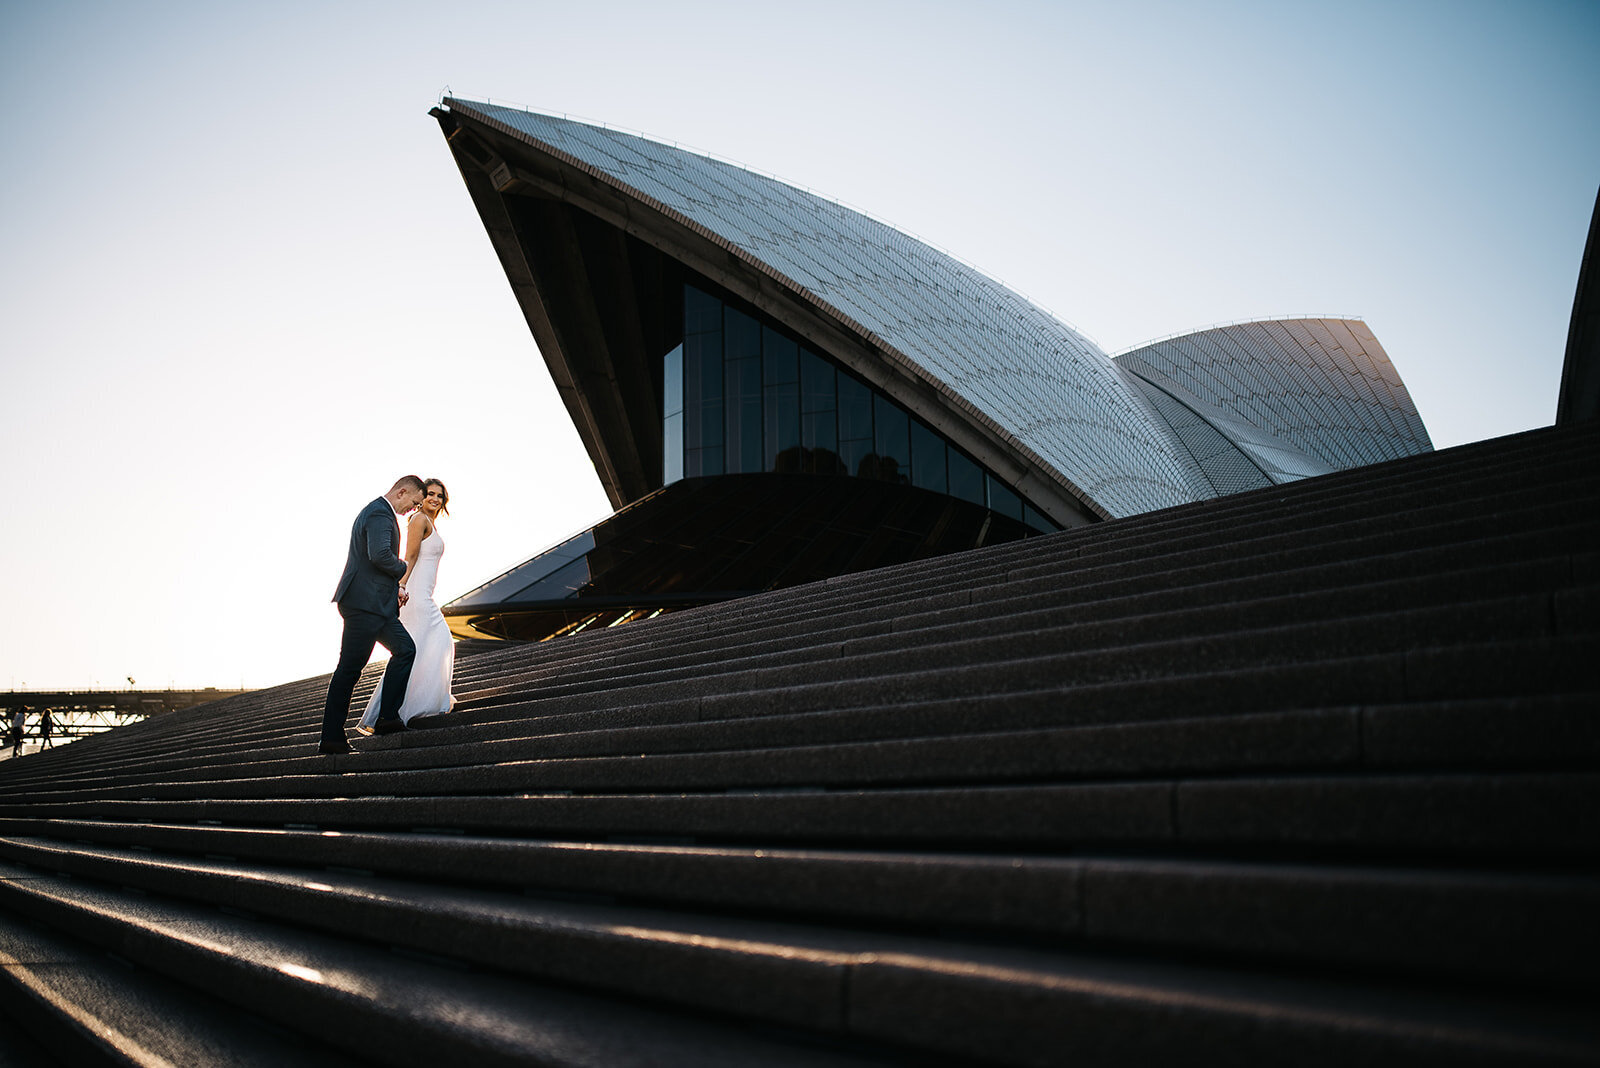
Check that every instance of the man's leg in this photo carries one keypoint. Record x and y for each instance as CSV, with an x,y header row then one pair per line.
x,y
402,654
355,649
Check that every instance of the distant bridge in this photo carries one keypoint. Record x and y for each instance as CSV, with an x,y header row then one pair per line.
x,y
74,714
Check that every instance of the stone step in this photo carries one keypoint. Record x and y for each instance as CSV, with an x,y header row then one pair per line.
x,y
931,569
1129,679
1270,742
872,987
18,1049
1557,732
963,670
989,602
1247,494
1308,505
1549,816
791,654
1553,731
371,1002
1495,928
1074,635
831,713
81,1006
1056,553
1123,622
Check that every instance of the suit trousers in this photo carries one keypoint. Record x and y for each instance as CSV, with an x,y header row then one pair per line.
x,y
363,630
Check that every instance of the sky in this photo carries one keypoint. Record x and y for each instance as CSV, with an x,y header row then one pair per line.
x,y
243,288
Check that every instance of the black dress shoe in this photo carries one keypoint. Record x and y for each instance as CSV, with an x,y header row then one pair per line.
x,y
389,726
334,750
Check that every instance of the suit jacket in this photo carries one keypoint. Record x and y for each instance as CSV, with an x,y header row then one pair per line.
x,y
371,579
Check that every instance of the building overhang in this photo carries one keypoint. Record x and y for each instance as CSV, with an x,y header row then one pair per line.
x,y
702,540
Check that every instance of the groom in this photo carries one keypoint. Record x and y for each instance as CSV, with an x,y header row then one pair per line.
x,y
369,597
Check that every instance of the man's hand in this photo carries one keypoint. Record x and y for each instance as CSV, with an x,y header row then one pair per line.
x,y
404,596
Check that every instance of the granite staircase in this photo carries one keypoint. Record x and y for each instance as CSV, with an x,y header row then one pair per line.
x,y
1305,775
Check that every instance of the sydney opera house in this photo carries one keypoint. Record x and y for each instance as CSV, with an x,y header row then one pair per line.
x,y
776,389
1303,774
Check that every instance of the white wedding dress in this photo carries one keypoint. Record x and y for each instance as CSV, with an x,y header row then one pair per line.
x,y
428,692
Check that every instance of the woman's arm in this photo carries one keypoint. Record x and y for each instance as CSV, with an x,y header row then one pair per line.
x,y
417,530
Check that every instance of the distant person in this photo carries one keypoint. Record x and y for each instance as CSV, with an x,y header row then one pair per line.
x,y
369,598
19,727
428,693
47,725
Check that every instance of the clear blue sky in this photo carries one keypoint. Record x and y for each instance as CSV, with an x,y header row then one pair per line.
x,y
244,287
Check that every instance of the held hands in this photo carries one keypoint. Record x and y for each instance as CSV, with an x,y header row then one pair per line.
x,y
404,596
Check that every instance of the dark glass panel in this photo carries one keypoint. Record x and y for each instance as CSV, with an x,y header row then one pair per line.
x,y
819,435
710,379
855,409
743,440
702,390
817,391
1002,499
821,443
526,574
701,311
893,439
927,458
700,462
825,462
710,424
966,478
564,581
781,411
780,356
709,394
857,458
1037,519
742,336
672,448
672,381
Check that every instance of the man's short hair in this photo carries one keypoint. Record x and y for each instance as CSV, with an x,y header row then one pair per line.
x,y
411,482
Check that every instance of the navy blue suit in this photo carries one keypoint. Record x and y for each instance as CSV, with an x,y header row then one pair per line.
x,y
369,600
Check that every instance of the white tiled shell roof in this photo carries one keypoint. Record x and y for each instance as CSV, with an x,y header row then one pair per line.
x,y
1042,383
1300,396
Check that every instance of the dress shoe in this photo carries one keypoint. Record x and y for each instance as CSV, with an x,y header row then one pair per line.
x,y
335,750
389,726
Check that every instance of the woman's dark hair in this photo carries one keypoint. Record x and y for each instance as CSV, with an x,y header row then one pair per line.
x,y
443,492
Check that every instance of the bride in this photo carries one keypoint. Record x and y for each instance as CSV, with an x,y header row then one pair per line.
x,y
428,693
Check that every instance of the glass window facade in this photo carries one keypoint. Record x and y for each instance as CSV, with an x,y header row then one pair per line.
x,y
855,426
702,385
741,396
672,421
742,392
